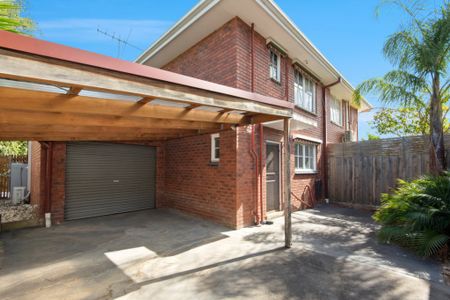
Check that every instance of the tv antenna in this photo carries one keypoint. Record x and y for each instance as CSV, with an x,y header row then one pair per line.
x,y
121,43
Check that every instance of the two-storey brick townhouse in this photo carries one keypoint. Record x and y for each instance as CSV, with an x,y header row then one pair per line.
x,y
252,45
232,177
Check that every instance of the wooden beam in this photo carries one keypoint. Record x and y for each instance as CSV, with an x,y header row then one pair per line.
x,y
74,91
58,133
192,106
12,117
257,119
13,99
58,136
146,100
25,67
287,185
93,129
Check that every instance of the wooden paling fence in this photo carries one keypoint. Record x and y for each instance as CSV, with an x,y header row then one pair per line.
x,y
358,173
5,163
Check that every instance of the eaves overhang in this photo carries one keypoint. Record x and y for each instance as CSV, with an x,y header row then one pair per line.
x,y
270,21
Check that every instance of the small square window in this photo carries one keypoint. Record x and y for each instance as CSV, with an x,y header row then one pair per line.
x,y
274,66
215,147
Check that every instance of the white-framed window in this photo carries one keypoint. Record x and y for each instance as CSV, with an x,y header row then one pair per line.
x,y
305,158
275,66
215,147
347,121
304,92
336,111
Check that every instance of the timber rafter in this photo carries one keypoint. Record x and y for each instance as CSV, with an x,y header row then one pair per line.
x,y
98,101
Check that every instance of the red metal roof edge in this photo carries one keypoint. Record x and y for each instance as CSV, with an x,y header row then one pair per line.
x,y
39,47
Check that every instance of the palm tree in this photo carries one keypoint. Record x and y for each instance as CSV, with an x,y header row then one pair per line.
x,y
420,52
11,19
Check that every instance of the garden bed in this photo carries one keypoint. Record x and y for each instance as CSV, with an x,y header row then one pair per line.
x,y
16,212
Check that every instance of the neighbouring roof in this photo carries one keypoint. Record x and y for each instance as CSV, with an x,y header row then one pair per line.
x,y
270,21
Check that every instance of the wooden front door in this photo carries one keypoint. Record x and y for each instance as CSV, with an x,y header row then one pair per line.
x,y
273,177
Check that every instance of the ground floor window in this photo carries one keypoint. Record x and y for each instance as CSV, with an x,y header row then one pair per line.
x,y
215,147
305,158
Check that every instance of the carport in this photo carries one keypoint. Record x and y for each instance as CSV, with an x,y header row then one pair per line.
x,y
50,92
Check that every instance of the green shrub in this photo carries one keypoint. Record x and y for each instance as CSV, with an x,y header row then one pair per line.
x,y
417,215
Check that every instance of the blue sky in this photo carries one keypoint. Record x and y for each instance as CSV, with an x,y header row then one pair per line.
x,y
347,32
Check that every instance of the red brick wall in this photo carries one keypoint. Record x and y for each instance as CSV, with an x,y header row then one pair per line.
x,y
37,185
236,35
246,178
38,179
195,185
58,182
212,59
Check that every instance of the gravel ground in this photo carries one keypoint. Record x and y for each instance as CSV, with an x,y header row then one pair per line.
x,y
12,213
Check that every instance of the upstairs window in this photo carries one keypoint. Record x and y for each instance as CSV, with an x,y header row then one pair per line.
x,y
215,147
274,66
305,158
304,92
336,111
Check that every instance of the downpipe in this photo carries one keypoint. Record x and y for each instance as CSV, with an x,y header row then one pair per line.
x,y
256,216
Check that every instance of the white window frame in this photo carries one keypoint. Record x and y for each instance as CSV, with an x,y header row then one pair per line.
x,y
300,158
215,158
300,92
275,70
336,104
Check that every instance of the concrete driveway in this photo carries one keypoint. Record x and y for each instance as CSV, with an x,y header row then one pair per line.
x,y
162,254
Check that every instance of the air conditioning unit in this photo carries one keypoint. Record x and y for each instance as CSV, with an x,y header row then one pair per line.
x,y
18,182
348,136
18,194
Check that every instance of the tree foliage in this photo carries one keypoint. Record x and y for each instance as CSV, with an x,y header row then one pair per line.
x,y
11,18
420,53
404,121
13,148
372,137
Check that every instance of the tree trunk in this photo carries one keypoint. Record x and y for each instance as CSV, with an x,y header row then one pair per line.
x,y
437,154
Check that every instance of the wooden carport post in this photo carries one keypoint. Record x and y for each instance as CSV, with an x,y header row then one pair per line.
x,y
287,185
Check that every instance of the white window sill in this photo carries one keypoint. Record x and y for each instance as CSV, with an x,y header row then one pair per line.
x,y
305,172
335,123
314,113
277,81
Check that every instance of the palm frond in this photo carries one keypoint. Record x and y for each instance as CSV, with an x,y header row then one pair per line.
x,y
388,92
417,214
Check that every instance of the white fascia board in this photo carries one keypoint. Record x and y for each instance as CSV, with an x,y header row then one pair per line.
x,y
193,15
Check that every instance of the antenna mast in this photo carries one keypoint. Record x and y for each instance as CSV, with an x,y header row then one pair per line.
x,y
121,43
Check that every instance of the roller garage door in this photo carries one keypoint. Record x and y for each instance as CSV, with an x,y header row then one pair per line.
x,y
105,178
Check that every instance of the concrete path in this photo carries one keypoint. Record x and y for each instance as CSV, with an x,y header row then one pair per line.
x,y
161,254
